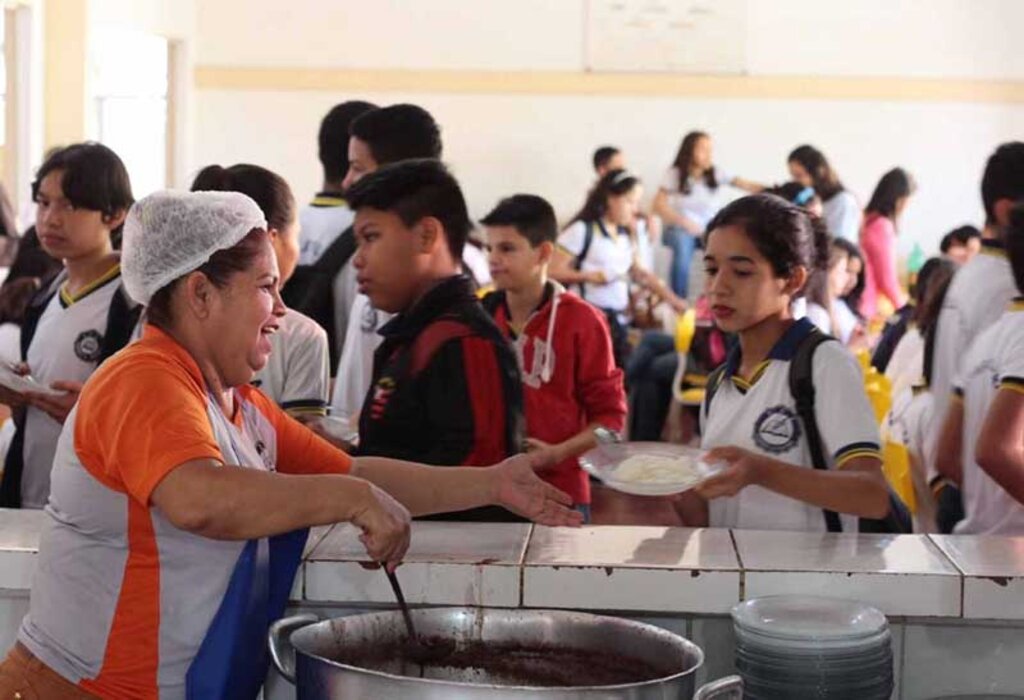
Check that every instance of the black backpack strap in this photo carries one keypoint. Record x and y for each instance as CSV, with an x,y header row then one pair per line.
x,y
338,252
714,381
801,386
588,240
35,310
122,317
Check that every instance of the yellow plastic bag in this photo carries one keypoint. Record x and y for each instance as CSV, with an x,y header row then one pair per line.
x,y
896,467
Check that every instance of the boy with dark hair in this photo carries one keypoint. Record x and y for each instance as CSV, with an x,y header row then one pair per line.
x,y
323,285
982,445
961,244
608,158
982,288
82,194
445,386
562,343
388,135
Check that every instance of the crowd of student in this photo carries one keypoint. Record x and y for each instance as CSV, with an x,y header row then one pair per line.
x,y
243,329
407,337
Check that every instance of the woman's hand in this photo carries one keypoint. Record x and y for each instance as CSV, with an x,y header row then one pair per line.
x,y
385,525
57,407
595,277
743,468
517,488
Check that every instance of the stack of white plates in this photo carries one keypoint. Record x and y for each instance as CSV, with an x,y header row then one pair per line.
x,y
803,647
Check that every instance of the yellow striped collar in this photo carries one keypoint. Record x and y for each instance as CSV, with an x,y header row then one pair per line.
x,y
67,298
329,200
745,384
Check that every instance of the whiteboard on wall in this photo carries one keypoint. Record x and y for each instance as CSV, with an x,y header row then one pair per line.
x,y
679,36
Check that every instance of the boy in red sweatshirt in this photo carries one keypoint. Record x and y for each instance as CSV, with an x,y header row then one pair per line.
x,y
570,383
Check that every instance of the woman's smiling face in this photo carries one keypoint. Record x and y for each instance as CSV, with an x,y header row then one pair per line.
x,y
243,315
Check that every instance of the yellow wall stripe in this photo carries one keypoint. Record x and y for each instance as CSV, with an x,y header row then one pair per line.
x,y
211,77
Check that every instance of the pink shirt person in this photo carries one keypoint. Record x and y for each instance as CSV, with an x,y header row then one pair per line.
x,y
878,243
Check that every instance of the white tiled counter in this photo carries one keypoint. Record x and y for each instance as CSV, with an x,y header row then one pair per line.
x,y
898,574
956,604
648,569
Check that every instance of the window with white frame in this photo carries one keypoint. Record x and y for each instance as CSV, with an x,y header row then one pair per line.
x,y
128,80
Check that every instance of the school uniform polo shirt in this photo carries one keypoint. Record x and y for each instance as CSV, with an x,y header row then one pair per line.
x,y
297,374
67,345
759,414
610,252
994,363
321,223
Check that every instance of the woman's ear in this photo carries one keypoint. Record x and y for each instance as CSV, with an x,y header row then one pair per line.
x,y
796,281
198,292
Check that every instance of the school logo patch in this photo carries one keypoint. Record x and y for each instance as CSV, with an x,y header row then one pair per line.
x,y
777,430
88,346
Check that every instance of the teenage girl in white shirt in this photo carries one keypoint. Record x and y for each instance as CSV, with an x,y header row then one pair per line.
x,y
759,252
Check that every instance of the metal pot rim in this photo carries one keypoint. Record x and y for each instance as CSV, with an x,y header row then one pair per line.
x,y
650,629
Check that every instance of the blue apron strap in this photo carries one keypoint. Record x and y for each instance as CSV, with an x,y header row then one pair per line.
x,y
285,558
231,662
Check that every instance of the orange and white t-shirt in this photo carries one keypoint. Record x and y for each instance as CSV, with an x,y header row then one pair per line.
x,y
121,598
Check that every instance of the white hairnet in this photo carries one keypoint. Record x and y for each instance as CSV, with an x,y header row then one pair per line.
x,y
169,234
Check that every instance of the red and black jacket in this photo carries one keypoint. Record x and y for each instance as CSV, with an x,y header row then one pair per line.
x,y
446,389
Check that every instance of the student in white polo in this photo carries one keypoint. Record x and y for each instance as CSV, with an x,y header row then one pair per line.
x,y
324,282
982,444
981,289
596,252
759,251
82,194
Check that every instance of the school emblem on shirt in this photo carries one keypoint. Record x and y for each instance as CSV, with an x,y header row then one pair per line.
x,y
88,346
777,430
381,394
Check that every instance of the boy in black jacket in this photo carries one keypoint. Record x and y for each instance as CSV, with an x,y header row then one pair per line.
x,y
446,387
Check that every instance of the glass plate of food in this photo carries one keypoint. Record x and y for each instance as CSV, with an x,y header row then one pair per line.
x,y
648,468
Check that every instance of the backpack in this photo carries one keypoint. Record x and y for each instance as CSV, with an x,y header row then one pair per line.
x,y
122,317
310,290
801,387
577,263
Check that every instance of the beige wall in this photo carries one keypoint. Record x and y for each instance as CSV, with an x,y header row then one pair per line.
x,y
932,86
66,30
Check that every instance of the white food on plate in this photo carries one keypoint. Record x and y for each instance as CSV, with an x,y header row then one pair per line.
x,y
656,469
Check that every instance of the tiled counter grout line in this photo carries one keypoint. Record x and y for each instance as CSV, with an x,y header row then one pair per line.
x,y
963,573
743,571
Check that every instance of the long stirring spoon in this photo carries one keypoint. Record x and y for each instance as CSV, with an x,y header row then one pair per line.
x,y
420,652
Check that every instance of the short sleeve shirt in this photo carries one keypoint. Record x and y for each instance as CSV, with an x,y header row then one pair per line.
x,y
701,202
610,252
994,363
759,414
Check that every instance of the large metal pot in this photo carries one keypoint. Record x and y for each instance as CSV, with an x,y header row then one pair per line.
x,y
313,654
